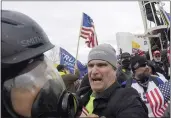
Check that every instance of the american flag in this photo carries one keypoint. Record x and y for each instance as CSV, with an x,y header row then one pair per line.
x,y
159,99
88,31
83,113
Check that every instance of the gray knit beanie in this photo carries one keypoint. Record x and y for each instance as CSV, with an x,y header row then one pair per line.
x,y
103,52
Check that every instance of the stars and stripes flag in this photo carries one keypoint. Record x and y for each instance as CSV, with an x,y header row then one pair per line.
x,y
159,99
88,31
84,112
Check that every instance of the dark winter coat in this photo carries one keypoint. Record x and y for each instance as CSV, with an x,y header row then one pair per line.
x,y
115,102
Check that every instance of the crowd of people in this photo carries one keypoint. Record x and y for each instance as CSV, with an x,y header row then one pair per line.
x,y
129,87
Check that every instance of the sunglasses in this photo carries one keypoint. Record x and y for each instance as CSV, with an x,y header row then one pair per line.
x,y
143,65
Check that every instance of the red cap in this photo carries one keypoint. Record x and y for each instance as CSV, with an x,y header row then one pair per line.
x,y
156,52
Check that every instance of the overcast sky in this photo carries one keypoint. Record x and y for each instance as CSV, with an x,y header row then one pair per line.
x,y
61,20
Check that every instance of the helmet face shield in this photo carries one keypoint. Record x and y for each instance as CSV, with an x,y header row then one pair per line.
x,y
35,88
25,87
36,74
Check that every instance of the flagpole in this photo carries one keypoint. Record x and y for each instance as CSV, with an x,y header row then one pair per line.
x,y
78,43
96,36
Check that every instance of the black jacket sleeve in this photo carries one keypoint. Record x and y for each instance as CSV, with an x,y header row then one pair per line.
x,y
131,105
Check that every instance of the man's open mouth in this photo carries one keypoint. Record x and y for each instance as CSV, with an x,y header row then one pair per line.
x,y
97,79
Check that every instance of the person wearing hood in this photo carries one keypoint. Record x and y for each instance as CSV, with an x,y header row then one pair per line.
x,y
124,71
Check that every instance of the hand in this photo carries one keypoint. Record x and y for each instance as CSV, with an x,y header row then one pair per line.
x,y
93,116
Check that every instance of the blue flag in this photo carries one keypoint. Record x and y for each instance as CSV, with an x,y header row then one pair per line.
x,y
69,61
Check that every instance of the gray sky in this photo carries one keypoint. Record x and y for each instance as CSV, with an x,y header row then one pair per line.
x,y
61,20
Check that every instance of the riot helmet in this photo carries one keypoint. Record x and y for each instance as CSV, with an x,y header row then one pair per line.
x,y
31,85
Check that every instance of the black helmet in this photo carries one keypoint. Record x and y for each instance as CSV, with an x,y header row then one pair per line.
x,y
125,55
23,44
22,38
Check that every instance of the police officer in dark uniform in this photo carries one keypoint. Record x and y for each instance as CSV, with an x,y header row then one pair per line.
x,y
31,86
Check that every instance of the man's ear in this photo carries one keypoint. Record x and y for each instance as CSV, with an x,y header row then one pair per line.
x,y
148,68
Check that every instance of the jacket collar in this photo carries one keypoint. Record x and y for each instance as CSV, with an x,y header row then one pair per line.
x,y
107,93
104,95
